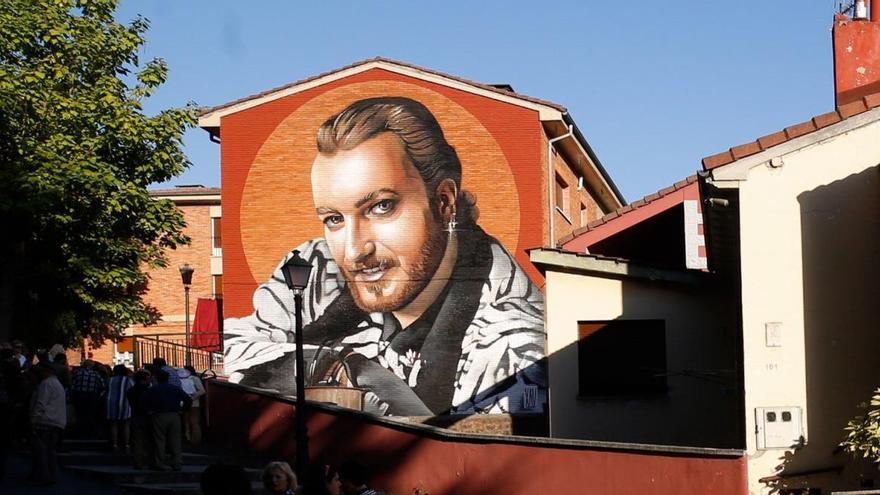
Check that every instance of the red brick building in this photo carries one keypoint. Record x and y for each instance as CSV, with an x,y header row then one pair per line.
x,y
201,209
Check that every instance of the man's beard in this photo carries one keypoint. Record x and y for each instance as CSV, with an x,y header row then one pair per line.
x,y
411,284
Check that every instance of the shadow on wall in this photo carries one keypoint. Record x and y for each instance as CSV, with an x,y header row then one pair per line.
x,y
663,372
840,228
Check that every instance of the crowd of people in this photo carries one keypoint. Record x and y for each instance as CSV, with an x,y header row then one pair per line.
x,y
146,413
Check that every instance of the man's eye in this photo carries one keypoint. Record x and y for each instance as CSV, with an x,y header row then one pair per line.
x,y
333,220
383,207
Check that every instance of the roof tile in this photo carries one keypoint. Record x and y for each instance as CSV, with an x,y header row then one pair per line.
x,y
853,108
799,129
771,140
745,150
826,119
718,160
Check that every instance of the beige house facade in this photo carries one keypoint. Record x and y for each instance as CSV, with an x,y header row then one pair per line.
x,y
809,243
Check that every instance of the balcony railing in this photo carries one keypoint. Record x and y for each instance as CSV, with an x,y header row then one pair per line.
x,y
171,347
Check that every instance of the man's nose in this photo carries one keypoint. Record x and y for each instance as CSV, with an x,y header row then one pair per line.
x,y
358,245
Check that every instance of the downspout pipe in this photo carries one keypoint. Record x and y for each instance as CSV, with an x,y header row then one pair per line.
x,y
551,180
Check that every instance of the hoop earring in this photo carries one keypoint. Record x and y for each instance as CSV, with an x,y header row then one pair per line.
x,y
450,226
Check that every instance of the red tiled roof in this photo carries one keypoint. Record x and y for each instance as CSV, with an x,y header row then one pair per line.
x,y
818,122
487,87
635,205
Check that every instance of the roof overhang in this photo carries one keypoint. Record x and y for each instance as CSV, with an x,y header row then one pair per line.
x,y
601,266
731,174
210,118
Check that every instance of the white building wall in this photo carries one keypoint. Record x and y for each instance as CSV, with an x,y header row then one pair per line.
x,y
774,207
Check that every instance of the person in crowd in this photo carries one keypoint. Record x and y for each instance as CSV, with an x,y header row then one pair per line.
x,y
279,479
48,413
160,364
118,408
54,351
225,479
192,419
165,403
20,354
353,477
141,430
86,387
322,479
192,384
62,371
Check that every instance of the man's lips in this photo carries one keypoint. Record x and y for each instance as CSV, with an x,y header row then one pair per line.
x,y
372,273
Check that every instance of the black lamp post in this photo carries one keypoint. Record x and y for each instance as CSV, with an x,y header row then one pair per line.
x,y
296,274
186,275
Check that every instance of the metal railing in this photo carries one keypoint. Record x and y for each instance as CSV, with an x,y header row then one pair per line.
x,y
171,347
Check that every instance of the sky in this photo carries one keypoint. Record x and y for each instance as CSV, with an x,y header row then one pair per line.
x,y
653,86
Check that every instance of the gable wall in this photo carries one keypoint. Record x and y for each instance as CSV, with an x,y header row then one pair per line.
x,y
267,198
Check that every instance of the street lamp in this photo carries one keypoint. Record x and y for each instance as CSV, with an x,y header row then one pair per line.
x,y
296,275
186,275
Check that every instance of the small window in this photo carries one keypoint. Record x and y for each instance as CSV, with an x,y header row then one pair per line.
x,y
561,194
621,358
786,416
585,215
216,237
771,417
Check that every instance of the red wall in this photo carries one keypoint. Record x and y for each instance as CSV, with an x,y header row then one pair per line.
x,y
403,457
516,130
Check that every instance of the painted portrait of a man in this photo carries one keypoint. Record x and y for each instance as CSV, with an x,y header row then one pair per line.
x,y
410,299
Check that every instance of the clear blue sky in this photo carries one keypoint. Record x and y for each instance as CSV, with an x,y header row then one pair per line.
x,y
654,86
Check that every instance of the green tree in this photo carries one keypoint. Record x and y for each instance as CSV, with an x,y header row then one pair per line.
x,y
77,153
863,432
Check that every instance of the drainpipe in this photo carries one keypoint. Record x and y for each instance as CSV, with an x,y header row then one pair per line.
x,y
551,179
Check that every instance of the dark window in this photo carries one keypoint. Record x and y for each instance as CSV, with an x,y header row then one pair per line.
x,y
786,416
771,417
621,358
561,194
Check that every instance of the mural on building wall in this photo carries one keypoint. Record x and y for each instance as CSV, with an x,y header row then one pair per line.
x,y
410,299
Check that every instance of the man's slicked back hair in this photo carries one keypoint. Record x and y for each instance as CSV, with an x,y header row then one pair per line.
x,y
421,135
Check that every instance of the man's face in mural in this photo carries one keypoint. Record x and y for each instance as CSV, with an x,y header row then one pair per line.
x,y
378,222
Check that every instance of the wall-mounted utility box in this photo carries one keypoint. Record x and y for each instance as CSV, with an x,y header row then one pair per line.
x,y
779,427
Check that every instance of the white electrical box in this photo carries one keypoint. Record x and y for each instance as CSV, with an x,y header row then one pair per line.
x,y
779,427
773,333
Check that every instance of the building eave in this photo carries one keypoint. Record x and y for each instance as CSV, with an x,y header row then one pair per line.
x,y
607,267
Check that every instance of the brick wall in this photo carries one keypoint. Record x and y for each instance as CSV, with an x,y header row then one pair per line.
x,y
165,287
565,170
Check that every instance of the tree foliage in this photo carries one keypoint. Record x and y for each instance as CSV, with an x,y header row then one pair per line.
x,y
77,153
863,432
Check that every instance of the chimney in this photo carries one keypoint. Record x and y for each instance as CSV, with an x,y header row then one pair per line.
x,y
857,52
